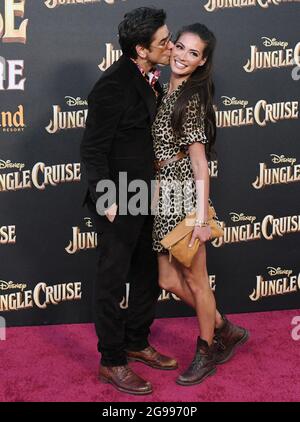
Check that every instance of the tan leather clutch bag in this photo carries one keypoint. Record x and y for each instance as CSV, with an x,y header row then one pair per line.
x,y
177,241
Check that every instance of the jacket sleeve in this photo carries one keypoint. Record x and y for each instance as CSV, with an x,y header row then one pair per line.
x,y
105,108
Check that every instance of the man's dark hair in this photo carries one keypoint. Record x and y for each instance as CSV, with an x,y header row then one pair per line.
x,y
138,27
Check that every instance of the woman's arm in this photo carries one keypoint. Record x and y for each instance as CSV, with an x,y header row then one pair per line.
x,y
201,176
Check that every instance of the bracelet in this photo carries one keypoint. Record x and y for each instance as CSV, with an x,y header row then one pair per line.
x,y
199,223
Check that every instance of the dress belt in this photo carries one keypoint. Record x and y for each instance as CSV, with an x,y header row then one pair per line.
x,y
160,164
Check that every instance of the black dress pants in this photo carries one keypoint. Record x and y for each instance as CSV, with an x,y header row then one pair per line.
x,y
125,255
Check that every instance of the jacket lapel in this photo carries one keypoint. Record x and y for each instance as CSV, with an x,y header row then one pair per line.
x,y
146,93
144,89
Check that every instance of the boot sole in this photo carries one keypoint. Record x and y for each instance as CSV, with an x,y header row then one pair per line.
x,y
152,366
186,384
123,390
239,343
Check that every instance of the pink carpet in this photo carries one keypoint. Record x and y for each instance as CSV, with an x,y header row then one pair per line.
x,y
59,363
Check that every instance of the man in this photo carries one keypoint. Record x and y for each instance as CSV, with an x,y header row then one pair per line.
x,y
117,144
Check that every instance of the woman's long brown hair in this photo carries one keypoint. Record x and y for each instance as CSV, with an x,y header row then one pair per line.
x,y
200,83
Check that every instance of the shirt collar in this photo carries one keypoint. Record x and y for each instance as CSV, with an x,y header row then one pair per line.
x,y
152,76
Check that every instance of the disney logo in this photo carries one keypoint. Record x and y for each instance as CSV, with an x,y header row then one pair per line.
x,y
282,159
233,101
242,217
8,165
274,43
279,271
4,285
71,101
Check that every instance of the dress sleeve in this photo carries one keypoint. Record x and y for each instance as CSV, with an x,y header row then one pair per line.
x,y
193,126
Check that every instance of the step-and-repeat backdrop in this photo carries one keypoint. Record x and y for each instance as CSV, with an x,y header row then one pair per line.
x,y
51,54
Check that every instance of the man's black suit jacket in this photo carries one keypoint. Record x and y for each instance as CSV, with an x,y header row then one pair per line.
x,y
117,138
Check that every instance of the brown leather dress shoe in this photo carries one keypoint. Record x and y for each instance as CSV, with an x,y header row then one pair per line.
x,y
202,366
153,358
124,379
226,339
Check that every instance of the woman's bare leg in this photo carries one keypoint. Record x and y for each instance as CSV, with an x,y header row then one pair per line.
x,y
197,279
171,278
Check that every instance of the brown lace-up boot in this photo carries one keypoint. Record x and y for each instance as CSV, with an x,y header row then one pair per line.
x,y
226,339
202,366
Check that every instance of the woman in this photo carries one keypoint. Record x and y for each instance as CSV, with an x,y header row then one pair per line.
x,y
184,132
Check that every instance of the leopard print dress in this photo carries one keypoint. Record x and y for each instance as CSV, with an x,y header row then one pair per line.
x,y
176,195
